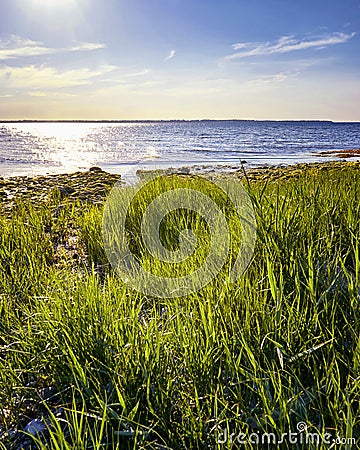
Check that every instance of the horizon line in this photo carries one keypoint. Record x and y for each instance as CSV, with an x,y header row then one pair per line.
x,y
168,120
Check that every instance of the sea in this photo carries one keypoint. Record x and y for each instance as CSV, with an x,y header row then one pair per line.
x,y
38,148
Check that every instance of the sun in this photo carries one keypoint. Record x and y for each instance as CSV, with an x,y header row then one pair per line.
x,y
54,4
53,14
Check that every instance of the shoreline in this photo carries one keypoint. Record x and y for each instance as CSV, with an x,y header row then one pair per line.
x,y
168,120
95,184
91,186
202,166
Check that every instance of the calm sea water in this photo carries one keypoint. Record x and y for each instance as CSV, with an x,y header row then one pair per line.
x,y
40,148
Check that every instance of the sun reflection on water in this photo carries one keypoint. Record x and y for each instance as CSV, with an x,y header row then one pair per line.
x,y
76,145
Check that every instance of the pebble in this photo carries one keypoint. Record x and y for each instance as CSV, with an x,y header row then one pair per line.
x,y
35,427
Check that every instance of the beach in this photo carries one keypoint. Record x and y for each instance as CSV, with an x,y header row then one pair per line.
x,y
93,185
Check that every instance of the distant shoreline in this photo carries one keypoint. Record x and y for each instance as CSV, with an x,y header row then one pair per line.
x,y
170,121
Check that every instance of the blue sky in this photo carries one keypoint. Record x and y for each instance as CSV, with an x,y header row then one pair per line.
x,y
181,59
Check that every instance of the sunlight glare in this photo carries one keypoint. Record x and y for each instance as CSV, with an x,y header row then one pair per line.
x,y
53,2
67,145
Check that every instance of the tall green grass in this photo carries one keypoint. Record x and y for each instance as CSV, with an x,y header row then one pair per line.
x,y
279,347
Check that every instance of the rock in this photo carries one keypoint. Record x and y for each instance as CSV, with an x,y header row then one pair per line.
x,y
66,190
95,169
36,426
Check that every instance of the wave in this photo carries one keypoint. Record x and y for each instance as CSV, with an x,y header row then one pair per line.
x,y
152,153
26,161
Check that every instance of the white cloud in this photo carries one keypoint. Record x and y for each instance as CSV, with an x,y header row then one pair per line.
x,y
49,94
40,78
270,80
287,44
84,46
138,74
17,47
170,55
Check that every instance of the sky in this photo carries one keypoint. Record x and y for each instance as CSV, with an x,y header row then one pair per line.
x,y
180,59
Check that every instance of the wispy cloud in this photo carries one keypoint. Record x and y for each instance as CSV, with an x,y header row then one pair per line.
x,y
41,78
287,44
17,47
50,94
84,46
170,55
138,74
270,80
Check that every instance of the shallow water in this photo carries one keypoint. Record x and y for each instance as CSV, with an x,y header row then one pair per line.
x,y
58,147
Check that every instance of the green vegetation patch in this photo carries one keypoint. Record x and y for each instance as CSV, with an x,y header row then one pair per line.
x,y
87,362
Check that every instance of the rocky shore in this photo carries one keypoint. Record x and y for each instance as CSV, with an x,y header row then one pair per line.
x,y
342,153
94,185
262,173
285,172
91,186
